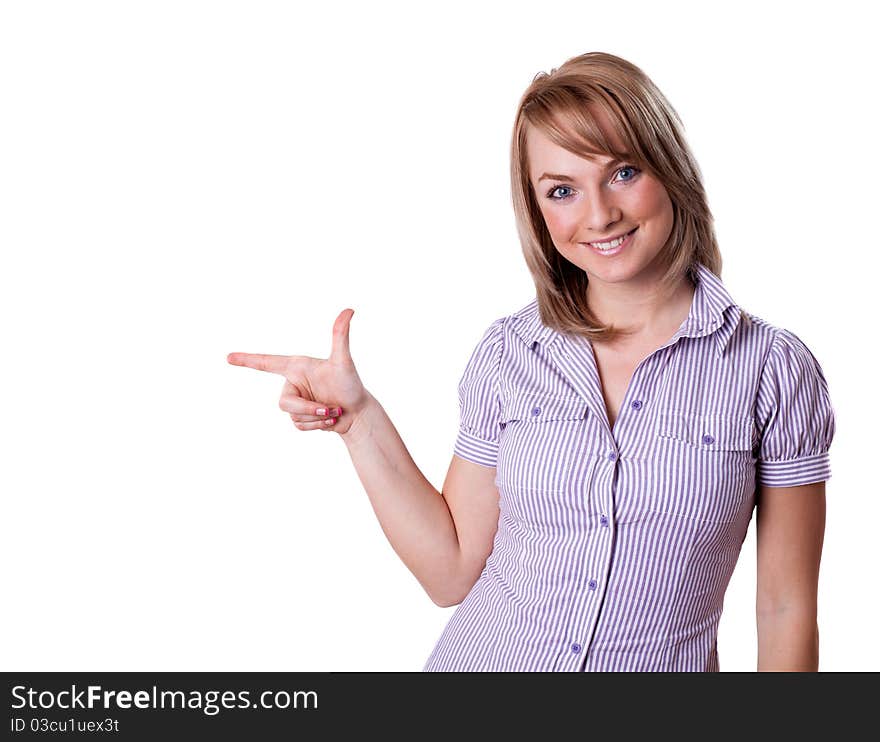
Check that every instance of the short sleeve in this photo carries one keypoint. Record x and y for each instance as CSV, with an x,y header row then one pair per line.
x,y
479,400
794,416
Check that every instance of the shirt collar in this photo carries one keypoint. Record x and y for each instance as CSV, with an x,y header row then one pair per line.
x,y
708,315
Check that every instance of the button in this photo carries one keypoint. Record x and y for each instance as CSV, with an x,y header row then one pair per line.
x,y
636,404
603,520
536,411
708,439
575,648
592,584
612,456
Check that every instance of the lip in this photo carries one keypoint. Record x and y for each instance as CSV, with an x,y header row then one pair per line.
x,y
609,253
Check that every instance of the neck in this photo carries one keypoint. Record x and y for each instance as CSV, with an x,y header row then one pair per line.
x,y
641,310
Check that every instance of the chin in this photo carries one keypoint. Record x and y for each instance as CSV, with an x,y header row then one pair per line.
x,y
617,271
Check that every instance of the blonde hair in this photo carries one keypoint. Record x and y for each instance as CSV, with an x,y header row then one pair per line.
x,y
556,103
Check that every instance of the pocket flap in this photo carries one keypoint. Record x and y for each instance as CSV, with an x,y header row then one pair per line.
x,y
540,408
708,432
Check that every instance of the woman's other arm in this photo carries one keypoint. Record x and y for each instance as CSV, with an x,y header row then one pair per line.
x,y
790,532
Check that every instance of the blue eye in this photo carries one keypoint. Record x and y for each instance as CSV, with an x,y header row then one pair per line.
x,y
557,198
633,168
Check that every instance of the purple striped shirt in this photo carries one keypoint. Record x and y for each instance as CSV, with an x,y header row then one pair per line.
x,y
614,548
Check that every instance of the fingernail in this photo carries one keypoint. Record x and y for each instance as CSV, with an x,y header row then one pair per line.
x,y
337,412
321,411
330,421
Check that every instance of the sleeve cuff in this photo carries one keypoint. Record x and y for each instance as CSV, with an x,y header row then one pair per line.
x,y
794,472
475,449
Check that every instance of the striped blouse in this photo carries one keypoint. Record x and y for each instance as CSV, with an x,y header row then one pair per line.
x,y
615,547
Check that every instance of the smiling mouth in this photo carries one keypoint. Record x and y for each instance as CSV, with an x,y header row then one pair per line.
x,y
611,244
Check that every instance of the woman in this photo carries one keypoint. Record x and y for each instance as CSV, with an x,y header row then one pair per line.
x,y
616,432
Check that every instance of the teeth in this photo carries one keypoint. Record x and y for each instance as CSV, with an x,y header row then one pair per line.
x,y
609,245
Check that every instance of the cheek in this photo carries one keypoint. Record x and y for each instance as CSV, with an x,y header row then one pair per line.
x,y
560,226
662,216
651,200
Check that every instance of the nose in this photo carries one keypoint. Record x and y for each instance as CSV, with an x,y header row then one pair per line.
x,y
600,213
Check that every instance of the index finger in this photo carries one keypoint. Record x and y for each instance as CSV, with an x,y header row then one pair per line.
x,y
260,361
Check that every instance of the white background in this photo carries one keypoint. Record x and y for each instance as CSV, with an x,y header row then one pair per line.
x,y
180,180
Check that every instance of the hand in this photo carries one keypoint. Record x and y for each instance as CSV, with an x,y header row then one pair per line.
x,y
313,383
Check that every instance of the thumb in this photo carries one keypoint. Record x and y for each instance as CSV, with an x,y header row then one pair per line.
x,y
339,350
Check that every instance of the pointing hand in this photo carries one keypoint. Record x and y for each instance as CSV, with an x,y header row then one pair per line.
x,y
318,393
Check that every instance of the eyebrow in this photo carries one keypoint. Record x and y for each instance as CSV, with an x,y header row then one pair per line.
x,y
557,176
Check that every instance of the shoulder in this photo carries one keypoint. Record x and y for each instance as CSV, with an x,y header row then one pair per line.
x,y
757,330
792,388
525,316
792,365
525,311
769,342
489,349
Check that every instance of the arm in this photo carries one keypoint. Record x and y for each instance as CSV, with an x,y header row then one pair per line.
x,y
444,553
790,531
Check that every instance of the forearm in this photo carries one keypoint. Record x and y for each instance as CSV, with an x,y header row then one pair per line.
x,y
788,641
412,513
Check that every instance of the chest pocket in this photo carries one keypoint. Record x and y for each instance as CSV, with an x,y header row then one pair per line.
x,y
541,443
703,466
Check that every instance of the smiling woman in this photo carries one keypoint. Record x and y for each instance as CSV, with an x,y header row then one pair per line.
x,y
633,415
613,431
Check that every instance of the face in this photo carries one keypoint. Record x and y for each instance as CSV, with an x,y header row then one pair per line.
x,y
584,201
